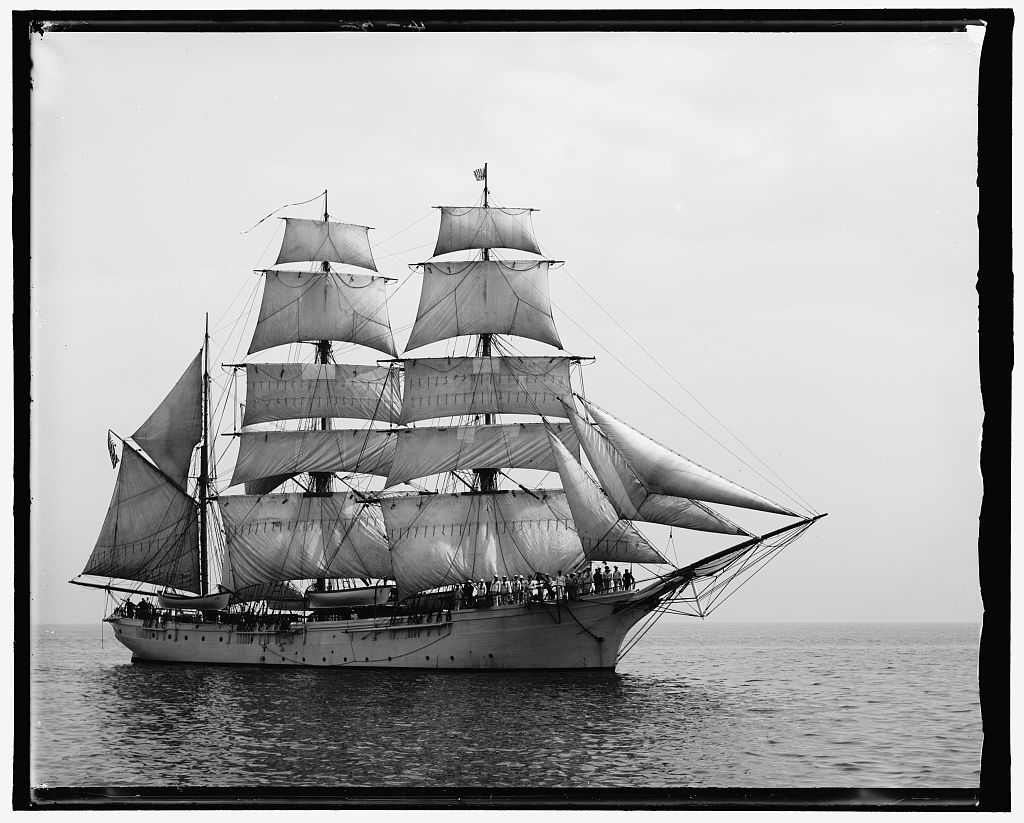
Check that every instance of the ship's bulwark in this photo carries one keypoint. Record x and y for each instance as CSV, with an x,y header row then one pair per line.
x,y
577,634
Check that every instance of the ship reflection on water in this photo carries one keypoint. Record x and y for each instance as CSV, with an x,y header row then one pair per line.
x,y
706,704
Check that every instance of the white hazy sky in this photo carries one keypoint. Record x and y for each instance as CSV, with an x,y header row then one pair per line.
x,y
787,221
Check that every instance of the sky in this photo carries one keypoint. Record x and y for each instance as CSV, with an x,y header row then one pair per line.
x,y
769,237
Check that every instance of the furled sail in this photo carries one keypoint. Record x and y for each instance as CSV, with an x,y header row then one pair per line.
x,y
151,531
306,241
481,227
425,451
275,453
295,536
453,386
287,391
628,495
603,534
170,434
484,297
665,472
443,539
278,595
300,306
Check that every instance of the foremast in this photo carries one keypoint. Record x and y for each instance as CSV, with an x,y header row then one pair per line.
x,y
320,532
321,482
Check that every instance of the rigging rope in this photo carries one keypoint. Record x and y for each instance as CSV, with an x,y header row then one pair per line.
x,y
675,380
285,206
633,372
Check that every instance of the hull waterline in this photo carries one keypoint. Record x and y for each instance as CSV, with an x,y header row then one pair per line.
x,y
576,634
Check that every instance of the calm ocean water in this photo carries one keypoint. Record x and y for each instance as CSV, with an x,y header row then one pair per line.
x,y
694,704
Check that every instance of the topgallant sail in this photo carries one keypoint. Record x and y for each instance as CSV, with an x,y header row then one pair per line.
x,y
375,517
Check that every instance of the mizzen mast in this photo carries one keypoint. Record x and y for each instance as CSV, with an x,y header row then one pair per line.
x,y
204,467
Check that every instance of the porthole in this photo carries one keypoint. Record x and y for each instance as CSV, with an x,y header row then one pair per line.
x,y
303,659
325,660
203,638
168,637
367,659
345,659
221,639
428,657
389,659
186,637
453,657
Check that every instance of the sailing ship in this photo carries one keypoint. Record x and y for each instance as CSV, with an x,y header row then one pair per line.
x,y
337,553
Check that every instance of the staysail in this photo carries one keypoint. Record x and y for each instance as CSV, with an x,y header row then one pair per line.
x,y
295,536
300,306
170,434
484,297
631,499
151,531
602,533
289,391
663,471
454,386
425,451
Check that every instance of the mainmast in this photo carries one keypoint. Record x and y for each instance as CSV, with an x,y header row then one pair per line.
x,y
486,476
204,463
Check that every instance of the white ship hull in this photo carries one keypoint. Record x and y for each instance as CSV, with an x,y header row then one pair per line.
x,y
577,634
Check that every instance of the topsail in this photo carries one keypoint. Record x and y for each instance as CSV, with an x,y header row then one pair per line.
x,y
307,241
454,386
484,297
299,306
485,228
289,391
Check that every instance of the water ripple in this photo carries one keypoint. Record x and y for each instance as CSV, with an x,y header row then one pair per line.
x,y
694,705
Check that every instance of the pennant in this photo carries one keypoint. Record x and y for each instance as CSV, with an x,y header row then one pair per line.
x,y
111,449
480,174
